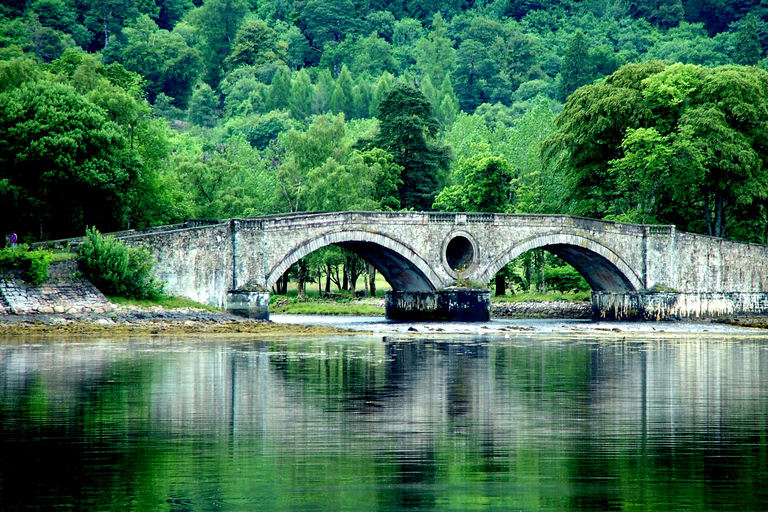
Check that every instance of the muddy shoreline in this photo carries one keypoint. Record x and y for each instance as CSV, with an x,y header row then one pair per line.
x,y
133,320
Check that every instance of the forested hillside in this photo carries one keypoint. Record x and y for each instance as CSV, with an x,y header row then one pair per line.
x,y
130,113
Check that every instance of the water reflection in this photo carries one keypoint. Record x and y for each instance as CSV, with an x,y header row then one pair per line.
x,y
535,423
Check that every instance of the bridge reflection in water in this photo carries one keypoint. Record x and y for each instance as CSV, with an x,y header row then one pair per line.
x,y
357,424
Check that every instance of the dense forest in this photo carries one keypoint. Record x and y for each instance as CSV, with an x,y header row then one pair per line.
x,y
130,113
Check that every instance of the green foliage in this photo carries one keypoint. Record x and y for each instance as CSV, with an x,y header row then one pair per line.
x,y
577,68
256,44
485,187
490,76
408,132
117,269
34,263
63,161
680,144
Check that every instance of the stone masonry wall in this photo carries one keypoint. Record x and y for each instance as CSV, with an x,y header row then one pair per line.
x,y
64,292
657,306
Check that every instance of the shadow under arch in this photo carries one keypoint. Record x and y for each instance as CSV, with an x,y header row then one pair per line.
x,y
602,268
403,269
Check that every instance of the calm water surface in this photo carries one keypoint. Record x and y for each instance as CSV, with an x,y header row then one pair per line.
x,y
530,422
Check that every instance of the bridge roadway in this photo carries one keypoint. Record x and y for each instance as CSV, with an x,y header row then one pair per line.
x,y
423,251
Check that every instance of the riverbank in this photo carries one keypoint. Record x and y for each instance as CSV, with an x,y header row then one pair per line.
x,y
374,306
130,320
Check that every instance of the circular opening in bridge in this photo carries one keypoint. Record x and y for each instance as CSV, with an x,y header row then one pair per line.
x,y
459,253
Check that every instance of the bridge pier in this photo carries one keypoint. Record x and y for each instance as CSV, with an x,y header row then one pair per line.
x,y
247,303
450,304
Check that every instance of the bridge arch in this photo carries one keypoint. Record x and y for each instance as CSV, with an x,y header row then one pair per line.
x,y
603,269
400,265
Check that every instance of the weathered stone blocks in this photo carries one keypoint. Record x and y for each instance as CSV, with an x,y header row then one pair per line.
x,y
65,292
450,304
250,304
657,306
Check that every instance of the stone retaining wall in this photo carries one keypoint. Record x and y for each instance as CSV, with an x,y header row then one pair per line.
x,y
64,292
675,306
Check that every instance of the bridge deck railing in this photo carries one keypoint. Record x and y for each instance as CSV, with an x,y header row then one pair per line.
x,y
306,219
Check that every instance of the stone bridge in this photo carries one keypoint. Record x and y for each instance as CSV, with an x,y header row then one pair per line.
x,y
421,251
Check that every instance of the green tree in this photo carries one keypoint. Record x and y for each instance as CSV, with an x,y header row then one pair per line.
x,y
363,96
217,23
436,55
227,180
372,54
107,17
577,68
326,22
485,186
408,132
679,144
324,88
255,44
343,94
280,91
203,106
747,42
307,150
63,163
163,59
302,92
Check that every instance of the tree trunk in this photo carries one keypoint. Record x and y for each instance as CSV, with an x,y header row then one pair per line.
x,y
327,278
281,286
543,274
372,280
501,285
302,288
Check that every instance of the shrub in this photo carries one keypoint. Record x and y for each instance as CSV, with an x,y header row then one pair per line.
x,y
34,263
116,269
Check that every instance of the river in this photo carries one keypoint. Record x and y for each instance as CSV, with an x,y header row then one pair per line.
x,y
554,418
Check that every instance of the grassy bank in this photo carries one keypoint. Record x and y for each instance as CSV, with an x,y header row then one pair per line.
x,y
337,305
165,301
543,297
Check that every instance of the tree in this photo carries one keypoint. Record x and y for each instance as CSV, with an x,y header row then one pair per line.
x,y
305,151
408,132
107,17
577,67
255,44
163,58
217,22
302,92
486,181
327,22
63,163
681,144
747,42
343,94
280,91
203,105
436,55
476,74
